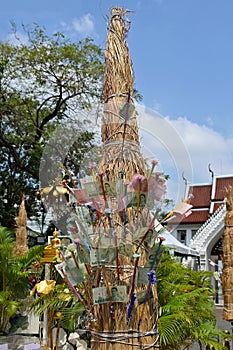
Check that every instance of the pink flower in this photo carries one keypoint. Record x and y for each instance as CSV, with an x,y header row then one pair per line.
x,y
139,182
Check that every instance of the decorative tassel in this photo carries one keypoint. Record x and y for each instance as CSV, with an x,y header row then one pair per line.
x,y
132,294
125,210
130,308
161,239
152,280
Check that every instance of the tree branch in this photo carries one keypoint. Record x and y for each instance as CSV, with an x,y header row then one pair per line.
x,y
17,158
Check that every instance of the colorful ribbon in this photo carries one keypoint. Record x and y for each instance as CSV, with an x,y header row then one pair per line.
x,y
132,294
161,239
152,280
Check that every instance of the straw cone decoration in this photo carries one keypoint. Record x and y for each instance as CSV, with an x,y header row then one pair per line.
x,y
117,96
21,231
121,153
227,271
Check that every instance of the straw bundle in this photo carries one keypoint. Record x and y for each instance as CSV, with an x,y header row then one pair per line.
x,y
227,272
119,117
118,69
21,231
121,152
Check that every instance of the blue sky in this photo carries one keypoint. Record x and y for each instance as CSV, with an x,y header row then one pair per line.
x,y
182,54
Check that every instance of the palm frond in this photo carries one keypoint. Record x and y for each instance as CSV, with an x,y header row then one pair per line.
x,y
186,305
6,236
71,316
33,254
171,330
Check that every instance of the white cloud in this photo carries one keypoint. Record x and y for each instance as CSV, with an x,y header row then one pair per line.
x,y
84,24
184,148
205,146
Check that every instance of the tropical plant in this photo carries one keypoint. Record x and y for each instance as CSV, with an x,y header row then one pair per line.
x,y
62,308
185,307
14,274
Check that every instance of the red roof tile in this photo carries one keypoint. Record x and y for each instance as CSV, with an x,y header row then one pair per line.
x,y
197,217
222,183
201,195
202,199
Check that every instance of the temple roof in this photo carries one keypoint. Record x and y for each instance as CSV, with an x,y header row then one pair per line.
x,y
221,184
197,217
201,195
207,198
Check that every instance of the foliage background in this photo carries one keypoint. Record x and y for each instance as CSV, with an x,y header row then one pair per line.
x,y
47,82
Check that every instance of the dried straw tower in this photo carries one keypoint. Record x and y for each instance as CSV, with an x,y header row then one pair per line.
x,y
227,271
119,136
21,231
122,158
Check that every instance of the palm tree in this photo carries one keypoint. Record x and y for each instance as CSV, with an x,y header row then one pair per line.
x,y
63,309
185,307
14,273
